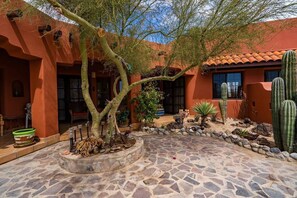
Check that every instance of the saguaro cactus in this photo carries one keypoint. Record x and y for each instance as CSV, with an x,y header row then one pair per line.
x,y
223,102
283,95
288,73
277,97
287,121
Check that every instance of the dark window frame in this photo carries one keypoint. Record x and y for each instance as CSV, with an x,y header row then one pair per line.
x,y
266,75
214,95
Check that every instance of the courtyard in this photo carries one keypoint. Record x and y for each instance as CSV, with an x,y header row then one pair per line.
x,y
173,166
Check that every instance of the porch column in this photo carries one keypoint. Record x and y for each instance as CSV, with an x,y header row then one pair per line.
x,y
43,86
133,93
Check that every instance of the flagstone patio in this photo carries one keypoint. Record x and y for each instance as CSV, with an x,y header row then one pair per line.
x,y
173,166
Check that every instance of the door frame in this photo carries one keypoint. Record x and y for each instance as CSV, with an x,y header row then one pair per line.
x,y
173,94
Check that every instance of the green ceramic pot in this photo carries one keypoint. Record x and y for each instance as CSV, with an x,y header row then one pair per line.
x,y
24,137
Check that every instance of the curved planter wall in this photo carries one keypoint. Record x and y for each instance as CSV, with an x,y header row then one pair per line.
x,y
102,162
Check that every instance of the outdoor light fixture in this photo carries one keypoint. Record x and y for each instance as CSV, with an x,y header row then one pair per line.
x,y
44,28
57,35
14,14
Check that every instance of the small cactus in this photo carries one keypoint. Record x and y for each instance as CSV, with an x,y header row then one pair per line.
x,y
287,121
277,97
223,102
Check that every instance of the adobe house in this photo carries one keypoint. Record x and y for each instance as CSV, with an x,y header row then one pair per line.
x,y
40,64
248,75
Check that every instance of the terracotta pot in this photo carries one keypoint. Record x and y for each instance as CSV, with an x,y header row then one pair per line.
x,y
24,137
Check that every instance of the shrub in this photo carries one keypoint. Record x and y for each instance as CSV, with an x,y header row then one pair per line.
x,y
147,103
204,109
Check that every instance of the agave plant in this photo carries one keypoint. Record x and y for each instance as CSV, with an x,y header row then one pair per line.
x,y
205,109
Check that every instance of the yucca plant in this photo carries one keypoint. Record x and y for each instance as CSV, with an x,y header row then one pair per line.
x,y
205,109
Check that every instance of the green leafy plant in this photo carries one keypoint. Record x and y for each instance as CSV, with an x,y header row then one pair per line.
x,y
122,117
205,109
147,103
243,133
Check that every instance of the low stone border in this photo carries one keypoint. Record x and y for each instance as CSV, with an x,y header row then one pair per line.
x,y
102,162
235,139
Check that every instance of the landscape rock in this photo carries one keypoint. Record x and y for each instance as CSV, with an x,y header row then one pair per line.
x,y
269,154
263,129
261,151
255,145
266,148
263,141
275,150
294,156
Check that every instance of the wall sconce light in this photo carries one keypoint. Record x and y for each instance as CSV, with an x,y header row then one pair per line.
x,y
14,14
44,28
57,35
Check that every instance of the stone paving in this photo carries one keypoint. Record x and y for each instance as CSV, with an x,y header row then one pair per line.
x,y
173,166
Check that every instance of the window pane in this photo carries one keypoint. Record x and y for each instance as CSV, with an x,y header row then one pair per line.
x,y
74,83
270,75
233,81
234,85
218,79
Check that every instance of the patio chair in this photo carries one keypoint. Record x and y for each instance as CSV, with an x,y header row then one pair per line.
x,y
78,111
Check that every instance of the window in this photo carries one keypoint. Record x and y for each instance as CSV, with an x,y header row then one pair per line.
x,y
234,83
270,75
75,90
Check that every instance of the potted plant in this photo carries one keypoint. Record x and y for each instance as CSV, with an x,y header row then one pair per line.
x,y
160,111
24,137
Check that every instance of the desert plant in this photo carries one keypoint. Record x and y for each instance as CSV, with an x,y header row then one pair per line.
x,y
147,103
204,109
283,94
223,102
277,97
287,121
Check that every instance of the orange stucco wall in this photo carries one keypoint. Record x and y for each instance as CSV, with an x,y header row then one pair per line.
x,y
259,100
199,88
14,70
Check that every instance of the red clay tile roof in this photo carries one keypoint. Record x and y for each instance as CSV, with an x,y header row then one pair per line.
x,y
245,58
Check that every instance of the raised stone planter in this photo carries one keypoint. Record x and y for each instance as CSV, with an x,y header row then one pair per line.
x,y
102,162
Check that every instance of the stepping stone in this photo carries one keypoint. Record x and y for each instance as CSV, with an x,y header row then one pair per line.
x,y
161,190
191,181
142,193
242,192
211,186
273,193
175,188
